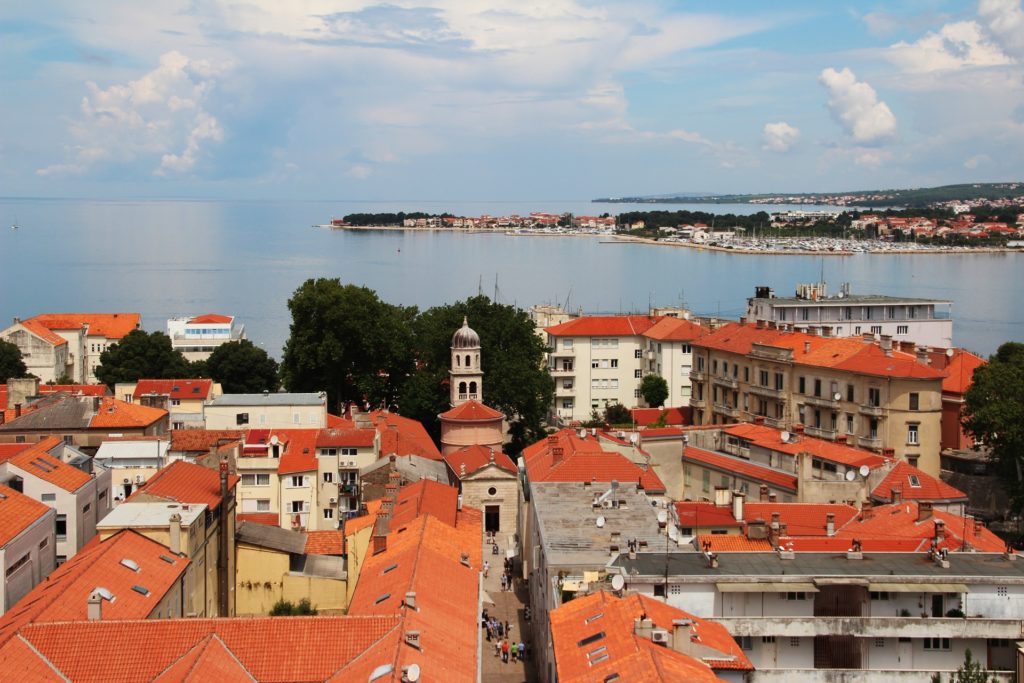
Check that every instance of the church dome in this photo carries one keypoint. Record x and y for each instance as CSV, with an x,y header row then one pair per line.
x,y
465,337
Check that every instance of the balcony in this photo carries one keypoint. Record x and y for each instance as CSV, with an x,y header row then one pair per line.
x,y
698,402
698,376
721,380
766,675
823,401
873,627
561,352
767,392
469,397
821,432
874,411
727,410
562,372
348,489
777,422
565,391
872,442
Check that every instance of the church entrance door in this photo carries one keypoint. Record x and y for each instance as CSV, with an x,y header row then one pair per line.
x,y
492,518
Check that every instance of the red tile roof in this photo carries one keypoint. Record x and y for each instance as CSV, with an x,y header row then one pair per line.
x,y
210,318
345,438
958,368
733,543
63,595
329,542
17,513
299,454
740,468
115,414
335,422
604,326
402,436
37,462
584,460
928,487
851,354
631,656
43,332
74,389
477,457
801,519
771,438
425,497
109,325
267,518
900,521
200,649
201,440
698,515
471,411
670,328
185,482
9,449
648,416
174,388
357,524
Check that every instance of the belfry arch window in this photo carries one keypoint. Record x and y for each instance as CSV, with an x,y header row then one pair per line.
x,y
467,360
472,387
462,387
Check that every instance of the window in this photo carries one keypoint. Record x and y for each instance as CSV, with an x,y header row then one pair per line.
x,y
745,642
686,348
874,397
614,362
328,513
802,383
296,418
262,505
22,561
778,381
298,481
936,643
768,640
903,329
639,353
86,508
915,481
242,418
700,363
62,527
796,595
43,543
659,590
638,374
298,506
594,364
879,642
794,642
1002,591
328,477
912,434
849,423
915,401
817,387
256,480
636,393
763,378
879,595
849,393
876,329
705,481
567,344
49,497
856,329
567,403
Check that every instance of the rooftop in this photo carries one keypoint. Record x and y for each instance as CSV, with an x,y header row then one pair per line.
x,y
740,467
132,514
207,318
270,399
474,458
36,461
194,389
403,436
604,326
109,325
675,329
564,456
471,411
17,513
184,482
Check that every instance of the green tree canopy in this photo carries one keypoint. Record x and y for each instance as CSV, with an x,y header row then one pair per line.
x,y
515,380
617,414
994,414
344,340
242,368
141,355
654,389
286,608
11,363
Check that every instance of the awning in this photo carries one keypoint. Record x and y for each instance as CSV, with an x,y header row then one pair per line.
x,y
920,587
764,587
841,581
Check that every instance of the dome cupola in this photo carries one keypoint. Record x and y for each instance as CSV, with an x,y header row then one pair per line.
x,y
465,337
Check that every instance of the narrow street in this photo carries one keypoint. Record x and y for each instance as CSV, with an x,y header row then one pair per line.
x,y
508,606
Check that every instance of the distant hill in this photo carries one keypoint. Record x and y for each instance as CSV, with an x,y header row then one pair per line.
x,y
916,197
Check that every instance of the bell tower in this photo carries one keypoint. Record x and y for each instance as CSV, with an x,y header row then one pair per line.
x,y
466,377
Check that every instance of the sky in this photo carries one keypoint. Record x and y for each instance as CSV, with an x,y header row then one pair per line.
x,y
505,99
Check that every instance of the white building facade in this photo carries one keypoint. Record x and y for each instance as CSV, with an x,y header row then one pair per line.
x,y
197,337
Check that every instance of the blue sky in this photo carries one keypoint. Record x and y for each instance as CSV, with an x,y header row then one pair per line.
x,y
505,99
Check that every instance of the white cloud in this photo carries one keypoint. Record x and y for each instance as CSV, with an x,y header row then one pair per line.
x,y
157,116
977,160
780,136
1005,19
359,172
956,45
856,107
872,158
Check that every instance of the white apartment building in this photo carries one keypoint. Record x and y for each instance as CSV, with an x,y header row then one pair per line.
x,y
269,410
847,616
925,322
197,337
597,361
27,548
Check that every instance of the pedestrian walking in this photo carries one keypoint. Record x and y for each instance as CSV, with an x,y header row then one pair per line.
x,y
514,651
501,632
508,629
522,650
504,651
497,649
487,568
488,628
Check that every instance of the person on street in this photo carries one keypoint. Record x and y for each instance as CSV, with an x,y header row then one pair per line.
x,y
487,568
504,651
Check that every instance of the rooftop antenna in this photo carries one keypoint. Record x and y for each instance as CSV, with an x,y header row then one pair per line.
x,y
480,285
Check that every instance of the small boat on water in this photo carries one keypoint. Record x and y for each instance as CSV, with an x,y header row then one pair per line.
x,y
14,225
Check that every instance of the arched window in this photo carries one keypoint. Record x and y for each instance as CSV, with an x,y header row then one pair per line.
x,y
472,387
467,360
458,360
462,387
478,360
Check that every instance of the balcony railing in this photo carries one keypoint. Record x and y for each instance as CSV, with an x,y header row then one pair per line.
x,y
873,627
698,402
468,397
823,401
348,489
821,432
698,375
869,442
874,411
730,382
766,391
565,391
777,422
729,411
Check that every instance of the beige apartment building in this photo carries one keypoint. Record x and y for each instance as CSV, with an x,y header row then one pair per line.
x,y
268,410
876,396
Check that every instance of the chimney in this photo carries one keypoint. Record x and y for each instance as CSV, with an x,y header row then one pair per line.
x,y
713,560
462,469
886,344
412,639
807,347
175,534
773,497
940,530
763,494
896,492
922,355
380,543
20,389
643,626
924,511
830,524
759,419
760,323
410,600
737,505
826,330
798,428
869,337
94,606
556,455
17,410
723,496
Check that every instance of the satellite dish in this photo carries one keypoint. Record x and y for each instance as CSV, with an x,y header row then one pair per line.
x,y
634,438
850,475
600,522
274,440
583,433
412,673
784,436
865,470
618,583
949,353
837,396
662,517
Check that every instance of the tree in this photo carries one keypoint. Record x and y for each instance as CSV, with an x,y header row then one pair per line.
x,y
141,355
242,368
515,379
286,608
654,389
969,672
994,414
11,363
344,340
617,414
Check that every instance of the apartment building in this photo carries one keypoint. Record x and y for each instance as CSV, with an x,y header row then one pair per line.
x,y
183,399
27,545
268,410
925,322
56,345
84,421
670,355
199,336
875,395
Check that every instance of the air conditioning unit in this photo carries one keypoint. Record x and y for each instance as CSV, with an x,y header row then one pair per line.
x,y
127,480
659,635
334,501
139,479
606,504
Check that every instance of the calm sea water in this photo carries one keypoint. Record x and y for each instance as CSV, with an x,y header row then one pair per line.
x,y
167,258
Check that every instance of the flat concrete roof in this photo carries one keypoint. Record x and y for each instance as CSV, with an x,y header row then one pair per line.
x,y
849,300
568,521
129,515
770,567
269,399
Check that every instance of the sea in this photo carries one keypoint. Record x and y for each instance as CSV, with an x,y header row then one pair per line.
x,y
168,258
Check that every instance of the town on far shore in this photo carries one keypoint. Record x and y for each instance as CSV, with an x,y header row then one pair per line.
x,y
810,492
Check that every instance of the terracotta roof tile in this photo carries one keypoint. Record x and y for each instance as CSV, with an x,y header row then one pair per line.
x,y
210,318
335,422
477,457
109,325
299,454
425,497
9,449
402,436
114,414
351,438
673,416
471,411
584,460
17,513
801,519
43,332
185,482
675,329
36,461
959,371
604,326
740,467
698,514
19,662
905,476
266,518
330,542
200,440
357,524
733,543
194,389
771,438
75,389
209,660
